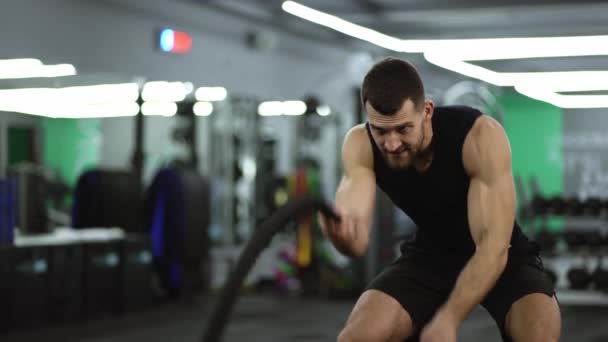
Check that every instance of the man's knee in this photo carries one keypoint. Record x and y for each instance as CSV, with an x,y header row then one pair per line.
x,y
536,335
377,317
347,335
536,318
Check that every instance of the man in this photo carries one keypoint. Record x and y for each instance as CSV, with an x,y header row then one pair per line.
x,y
449,169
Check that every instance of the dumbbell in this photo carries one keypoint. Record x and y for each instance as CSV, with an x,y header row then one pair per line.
x,y
573,206
593,206
574,239
546,240
579,277
556,205
539,205
593,238
600,279
605,205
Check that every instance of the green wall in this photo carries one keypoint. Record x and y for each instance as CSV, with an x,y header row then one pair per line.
x,y
20,146
71,146
535,133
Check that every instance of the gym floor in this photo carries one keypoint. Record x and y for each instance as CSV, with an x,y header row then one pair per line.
x,y
276,318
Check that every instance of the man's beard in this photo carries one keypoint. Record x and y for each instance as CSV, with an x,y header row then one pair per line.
x,y
404,158
400,160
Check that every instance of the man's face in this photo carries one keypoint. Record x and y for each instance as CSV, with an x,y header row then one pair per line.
x,y
400,137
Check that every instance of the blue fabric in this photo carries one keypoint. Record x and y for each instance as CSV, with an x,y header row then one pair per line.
x,y
158,223
8,210
166,224
175,274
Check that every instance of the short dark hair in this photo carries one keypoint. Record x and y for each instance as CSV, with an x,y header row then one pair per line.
x,y
389,83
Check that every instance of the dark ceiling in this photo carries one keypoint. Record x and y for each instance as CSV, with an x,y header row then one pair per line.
x,y
440,19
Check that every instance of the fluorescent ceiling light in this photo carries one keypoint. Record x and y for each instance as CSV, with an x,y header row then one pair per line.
x,y
202,108
323,110
293,107
275,108
452,54
105,100
159,108
210,94
571,81
249,167
468,69
560,81
346,27
189,87
101,110
563,81
126,92
463,49
73,111
30,68
163,91
270,108
123,92
513,48
564,101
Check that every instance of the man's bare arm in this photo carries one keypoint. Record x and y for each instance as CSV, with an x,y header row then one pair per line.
x,y
355,195
491,210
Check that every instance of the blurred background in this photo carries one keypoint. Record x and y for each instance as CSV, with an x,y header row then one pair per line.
x,y
142,141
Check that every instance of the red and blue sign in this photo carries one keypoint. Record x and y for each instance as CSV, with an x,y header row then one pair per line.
x,y
175,41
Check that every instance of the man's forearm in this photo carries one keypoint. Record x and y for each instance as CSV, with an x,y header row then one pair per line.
x,y
475,281
354,248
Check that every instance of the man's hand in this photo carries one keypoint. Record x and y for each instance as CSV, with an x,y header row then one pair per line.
x,y
442,328
341,233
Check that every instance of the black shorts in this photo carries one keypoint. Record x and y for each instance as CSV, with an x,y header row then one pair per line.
x,y
422,282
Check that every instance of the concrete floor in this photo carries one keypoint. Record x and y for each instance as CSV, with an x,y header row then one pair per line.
x,y
276,318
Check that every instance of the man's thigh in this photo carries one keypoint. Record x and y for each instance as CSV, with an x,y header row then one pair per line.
x,y
523,295
535,317
418,284
377,317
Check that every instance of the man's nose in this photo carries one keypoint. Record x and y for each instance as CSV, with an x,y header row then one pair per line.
x,y
392,142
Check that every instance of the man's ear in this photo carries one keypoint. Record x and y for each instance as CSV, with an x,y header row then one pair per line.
x,y
429,108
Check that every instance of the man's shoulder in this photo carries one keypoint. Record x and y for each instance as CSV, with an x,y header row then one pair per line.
x,y
359,130
357,135
357,146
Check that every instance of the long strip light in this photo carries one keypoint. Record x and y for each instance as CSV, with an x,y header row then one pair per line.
x,y
463,49
211,94
164,91
105,100
453,54
564,101
159,108
346,27
468,69
75,110
561,80
31,67
202,108
276,108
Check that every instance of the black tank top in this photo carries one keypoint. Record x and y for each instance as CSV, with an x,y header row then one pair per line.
x,y
436,199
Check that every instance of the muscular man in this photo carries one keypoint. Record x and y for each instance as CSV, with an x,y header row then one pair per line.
x,y
449,169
